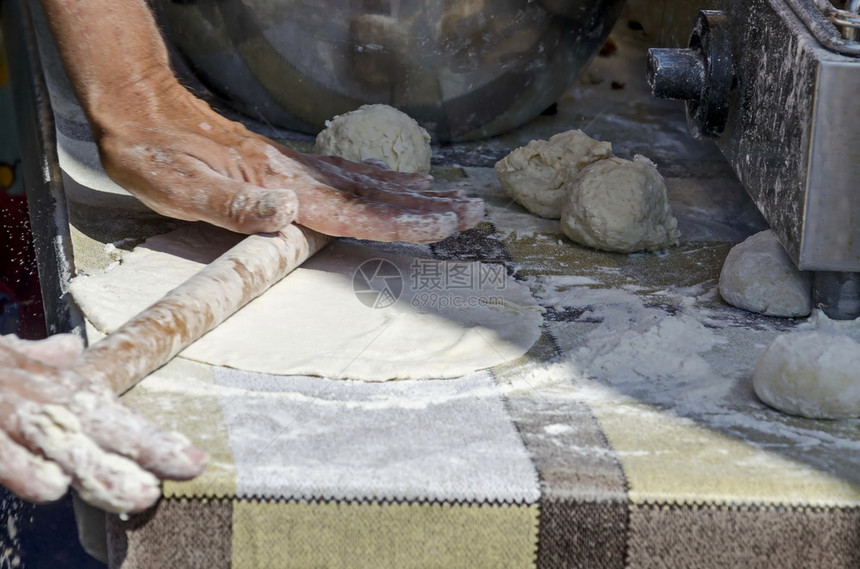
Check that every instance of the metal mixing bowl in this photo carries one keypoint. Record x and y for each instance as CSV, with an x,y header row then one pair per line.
x,y
464,69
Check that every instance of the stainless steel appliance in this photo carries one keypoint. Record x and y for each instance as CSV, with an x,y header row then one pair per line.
x,y
776,84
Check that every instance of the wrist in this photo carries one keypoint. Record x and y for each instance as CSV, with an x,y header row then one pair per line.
x,y
141,97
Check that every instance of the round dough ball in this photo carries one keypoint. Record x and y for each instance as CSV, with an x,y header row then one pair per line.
x,y
619,205
759,276
377,132
534,175
811,374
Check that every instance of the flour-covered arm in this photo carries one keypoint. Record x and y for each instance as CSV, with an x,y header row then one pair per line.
x,y
182,159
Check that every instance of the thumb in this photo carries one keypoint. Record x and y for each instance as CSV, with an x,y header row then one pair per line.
x,y
245,208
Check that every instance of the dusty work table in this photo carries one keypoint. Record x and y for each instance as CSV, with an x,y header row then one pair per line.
x,y
629,436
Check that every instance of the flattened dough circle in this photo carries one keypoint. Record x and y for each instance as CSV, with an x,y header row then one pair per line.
x,y
314,323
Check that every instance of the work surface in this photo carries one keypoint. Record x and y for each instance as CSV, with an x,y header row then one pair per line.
x,y
629,435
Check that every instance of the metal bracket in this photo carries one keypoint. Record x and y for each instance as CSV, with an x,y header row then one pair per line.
x,y
837,294
43,183
701,74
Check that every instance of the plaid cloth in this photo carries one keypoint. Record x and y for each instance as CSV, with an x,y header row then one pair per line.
x,y
551,461
543,462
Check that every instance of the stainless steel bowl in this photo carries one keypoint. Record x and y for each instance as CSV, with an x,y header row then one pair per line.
x,y
464,69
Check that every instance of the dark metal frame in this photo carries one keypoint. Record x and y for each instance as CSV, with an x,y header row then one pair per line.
x,y
43,182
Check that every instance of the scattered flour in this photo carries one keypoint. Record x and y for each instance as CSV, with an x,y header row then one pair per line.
x,y
558,429
622,342
647,345
560,291
685,360
574,280
668,358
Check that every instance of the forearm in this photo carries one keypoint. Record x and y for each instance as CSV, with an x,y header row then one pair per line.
x,y
182,159
114,55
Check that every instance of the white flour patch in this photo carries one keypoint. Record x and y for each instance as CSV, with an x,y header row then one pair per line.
x,y
561,291
558,429
647,345
343,446
563,281
673,350
538,377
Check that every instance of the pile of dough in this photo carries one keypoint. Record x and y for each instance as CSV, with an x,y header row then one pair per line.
x,y
377,132
536,174
759,276
811,374
619,205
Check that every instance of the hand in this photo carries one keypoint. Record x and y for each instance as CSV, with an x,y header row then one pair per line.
x,y
59,429
185,161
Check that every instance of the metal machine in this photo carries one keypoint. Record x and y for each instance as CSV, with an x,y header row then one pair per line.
x,y
775,83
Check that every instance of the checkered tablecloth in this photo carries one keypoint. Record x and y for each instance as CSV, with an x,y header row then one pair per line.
x,y
558,459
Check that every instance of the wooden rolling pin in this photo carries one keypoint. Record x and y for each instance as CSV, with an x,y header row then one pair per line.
x,y
153,337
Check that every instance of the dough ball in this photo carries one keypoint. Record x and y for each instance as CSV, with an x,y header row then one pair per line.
x,y
811,374
377,132
759,276
619,205
534,175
